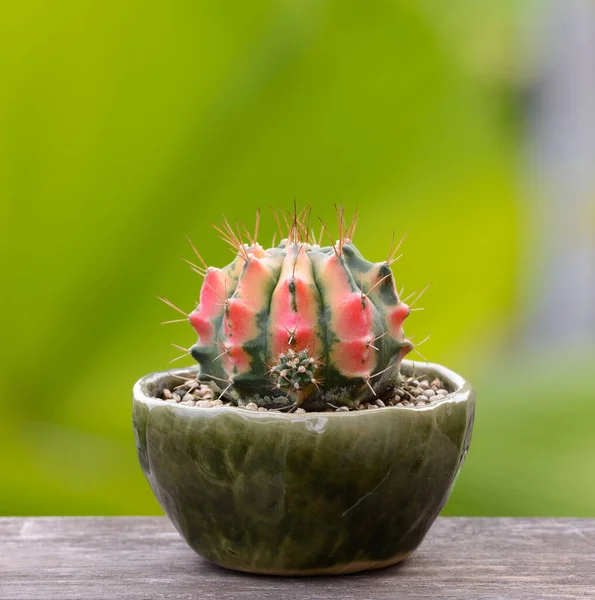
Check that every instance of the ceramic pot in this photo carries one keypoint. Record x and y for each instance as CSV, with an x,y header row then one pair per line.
x,y
302,494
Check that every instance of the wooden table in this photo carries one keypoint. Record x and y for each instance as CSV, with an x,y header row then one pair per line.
x,y
461,558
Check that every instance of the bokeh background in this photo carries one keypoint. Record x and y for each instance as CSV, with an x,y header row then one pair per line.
x,y
125,126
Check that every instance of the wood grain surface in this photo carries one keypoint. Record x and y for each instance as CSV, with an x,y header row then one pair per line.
x,y
136,557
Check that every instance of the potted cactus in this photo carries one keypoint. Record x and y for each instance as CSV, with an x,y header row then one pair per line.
x,y
302,443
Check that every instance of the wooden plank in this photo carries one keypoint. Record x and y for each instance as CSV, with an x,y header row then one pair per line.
x,y
462,558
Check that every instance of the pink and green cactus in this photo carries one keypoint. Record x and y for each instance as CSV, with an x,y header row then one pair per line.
x,y
299,324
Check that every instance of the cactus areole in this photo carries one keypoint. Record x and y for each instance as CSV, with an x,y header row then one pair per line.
x,y
300,324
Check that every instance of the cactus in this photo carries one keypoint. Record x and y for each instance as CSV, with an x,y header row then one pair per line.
x,y
299,324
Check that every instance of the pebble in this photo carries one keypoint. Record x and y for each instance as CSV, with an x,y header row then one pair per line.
x,y
372,406
166,394
380,404
300,410
208,395
441,393
414,383
430,393
217,402
423,398
189,402
437,383
405,403
342,409
204,404
177,397
262,409
188,397
171,401
415,392
250,406
424,385
420,403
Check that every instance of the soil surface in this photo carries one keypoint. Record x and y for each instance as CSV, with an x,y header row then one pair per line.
x,y
414,392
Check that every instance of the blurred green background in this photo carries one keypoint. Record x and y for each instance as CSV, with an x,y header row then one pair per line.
x,y
125,126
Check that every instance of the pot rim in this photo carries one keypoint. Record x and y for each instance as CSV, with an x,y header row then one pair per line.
x,y
460,391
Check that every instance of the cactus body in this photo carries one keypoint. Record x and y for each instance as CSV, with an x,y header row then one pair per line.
x,y
300,322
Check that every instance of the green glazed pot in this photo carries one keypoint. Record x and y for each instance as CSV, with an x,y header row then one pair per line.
x,y
302,494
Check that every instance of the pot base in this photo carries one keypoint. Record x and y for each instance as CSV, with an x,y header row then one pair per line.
x,y
346,569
